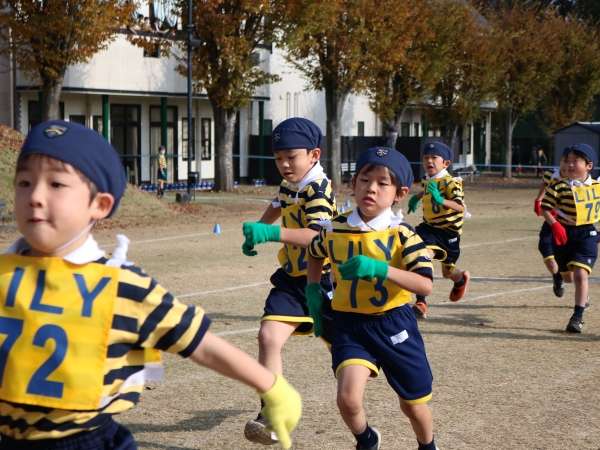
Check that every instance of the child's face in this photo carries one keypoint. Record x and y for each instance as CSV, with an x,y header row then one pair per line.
x,y
293,164
375,191
577,167
434,164
52,205
562,167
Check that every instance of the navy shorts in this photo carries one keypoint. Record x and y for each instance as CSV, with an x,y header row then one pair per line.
x,y
162,175
390,341
110,436
286,301
581,249
445,244
545,242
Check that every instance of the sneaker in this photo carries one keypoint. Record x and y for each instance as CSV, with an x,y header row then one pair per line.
x,y
420,309
575,325
256,431
458,292
558,287
374,446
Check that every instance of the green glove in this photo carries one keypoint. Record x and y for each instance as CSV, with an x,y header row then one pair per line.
x,y
257,233
283,408
314,301
363,267
412,203
434,190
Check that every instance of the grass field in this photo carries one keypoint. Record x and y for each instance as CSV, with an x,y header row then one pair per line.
x,y
506,375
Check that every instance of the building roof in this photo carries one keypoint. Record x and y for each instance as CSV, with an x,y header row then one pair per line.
x,y
591,126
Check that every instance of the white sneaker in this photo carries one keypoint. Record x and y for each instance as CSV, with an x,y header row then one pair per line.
x,y
256,431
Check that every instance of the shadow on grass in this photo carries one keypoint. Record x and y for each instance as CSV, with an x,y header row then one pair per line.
x,y
200,421
222,317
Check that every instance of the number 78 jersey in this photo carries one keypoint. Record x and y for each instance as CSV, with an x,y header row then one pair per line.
x,y
437,216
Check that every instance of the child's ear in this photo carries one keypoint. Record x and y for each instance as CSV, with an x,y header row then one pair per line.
x,y
316,154
401,193
447,163
102,205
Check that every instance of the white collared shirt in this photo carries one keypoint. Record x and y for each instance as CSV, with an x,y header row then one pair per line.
x,y
586,182
87,252
387,219
441,174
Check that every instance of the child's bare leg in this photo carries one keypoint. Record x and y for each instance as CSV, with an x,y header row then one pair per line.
x,y
271,338
580,277
551,265
567,276
351,389
420,420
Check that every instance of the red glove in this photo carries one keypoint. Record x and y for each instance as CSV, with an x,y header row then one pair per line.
x,y
554,213
559,234
537,207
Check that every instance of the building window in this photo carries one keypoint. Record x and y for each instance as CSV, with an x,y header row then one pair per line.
x,y
360,129
206,139
288,105
405,129
152,51
77,118
417,130
156,140
296,103
184,139
97,124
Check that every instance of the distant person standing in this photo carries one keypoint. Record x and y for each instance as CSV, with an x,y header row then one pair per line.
x,y
541,161
162,171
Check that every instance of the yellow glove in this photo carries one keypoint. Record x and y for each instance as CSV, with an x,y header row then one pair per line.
x,y
283,408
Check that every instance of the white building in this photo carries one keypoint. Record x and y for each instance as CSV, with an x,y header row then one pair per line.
x,y
137,101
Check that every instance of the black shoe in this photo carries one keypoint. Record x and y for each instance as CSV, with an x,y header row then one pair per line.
x,y
374,446
575,325
557,287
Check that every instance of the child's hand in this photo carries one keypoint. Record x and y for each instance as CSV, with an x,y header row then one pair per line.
x,y
314,301
283,408
434,190
412,203
537,207
257,233
559,234
363,267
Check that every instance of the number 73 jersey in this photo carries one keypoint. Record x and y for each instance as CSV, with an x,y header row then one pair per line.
x,y
399,246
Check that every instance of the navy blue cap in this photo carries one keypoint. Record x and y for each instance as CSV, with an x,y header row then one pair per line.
x,y
438,148
584,149
390,158
296,132
82,148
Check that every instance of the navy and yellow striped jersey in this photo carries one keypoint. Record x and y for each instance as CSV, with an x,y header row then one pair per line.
x,y
550,176
438,216
306,208
399,245
145,318
559,195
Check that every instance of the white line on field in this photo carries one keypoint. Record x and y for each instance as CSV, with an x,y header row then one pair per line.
x,y
233,332
479,244
216,291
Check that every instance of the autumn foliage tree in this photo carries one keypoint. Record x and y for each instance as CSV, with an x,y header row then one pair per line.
x,y
46,37
225,65
332,43
530,60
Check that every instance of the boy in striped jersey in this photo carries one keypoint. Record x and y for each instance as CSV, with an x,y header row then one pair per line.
x,y
377,261
576,199
305,199
545,239
443,212
81,333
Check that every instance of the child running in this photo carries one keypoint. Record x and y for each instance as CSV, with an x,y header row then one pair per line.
x,y
377,262
305,200
545,239
443,213
576,199
82,332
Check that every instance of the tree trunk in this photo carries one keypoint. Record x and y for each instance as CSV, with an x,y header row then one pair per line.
x,y
510,126
390,134
50,107
224,134
334,105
